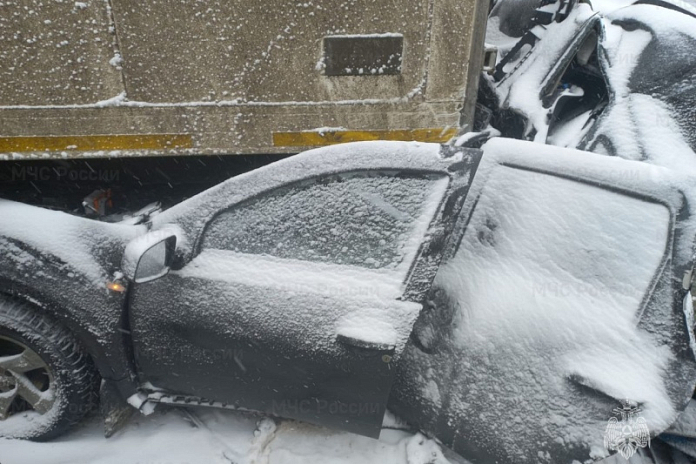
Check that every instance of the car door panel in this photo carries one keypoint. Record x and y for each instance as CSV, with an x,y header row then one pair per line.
x,y
311,332
275,353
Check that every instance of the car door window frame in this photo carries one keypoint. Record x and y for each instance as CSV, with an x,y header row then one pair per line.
x,y
420,232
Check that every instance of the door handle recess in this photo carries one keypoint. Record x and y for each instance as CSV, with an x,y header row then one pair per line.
x,y
364,344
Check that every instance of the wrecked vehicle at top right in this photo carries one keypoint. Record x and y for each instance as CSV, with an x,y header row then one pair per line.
x,y
619,81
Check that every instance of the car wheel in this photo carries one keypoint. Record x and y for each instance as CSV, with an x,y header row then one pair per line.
x,y
47,382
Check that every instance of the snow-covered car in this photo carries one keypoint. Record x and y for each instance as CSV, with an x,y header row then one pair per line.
x,y
615,77
504,300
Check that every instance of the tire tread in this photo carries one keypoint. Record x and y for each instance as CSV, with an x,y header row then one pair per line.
x,y
82,392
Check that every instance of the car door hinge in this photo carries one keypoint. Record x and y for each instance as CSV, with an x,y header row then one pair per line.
x,y
688,280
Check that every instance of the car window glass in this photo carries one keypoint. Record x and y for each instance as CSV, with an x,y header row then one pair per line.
x,y
541,245
373,220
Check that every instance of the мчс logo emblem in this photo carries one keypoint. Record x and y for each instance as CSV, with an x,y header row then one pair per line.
x,y
627,434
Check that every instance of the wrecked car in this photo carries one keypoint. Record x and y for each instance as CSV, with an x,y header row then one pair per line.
x,y
504,300
615,78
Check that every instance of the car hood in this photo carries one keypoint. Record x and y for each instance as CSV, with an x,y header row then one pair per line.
x,y
33,237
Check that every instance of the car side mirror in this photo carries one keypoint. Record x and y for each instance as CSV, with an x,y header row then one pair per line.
x,y
149,257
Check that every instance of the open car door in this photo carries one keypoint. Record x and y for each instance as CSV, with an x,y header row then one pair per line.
x,y
559,326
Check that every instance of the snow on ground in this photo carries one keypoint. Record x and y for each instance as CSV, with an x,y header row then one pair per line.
x,y
206,436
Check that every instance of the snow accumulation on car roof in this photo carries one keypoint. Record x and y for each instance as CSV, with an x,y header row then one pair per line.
x,y
588,165
74,240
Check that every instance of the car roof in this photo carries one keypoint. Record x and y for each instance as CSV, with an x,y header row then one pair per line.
x,y
359,156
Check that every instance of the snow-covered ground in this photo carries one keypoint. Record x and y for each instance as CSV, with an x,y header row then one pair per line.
x,y
205,436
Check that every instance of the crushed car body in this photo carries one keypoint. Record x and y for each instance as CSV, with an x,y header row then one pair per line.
x,y
537,326
526,283
619,82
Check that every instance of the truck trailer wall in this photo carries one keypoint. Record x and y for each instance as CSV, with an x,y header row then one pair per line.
x,y
120,77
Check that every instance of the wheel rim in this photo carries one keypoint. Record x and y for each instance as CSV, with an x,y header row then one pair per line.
x,y
26,382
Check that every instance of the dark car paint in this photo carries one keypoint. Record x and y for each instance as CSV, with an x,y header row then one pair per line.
x,y
340,387
215,352
94,314
104,322
102,319
663,68
662,314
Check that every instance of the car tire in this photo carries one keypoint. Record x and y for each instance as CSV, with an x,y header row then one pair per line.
x,y
48,382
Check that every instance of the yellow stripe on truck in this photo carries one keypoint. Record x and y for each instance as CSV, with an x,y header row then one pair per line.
x,y
318,139
95,142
